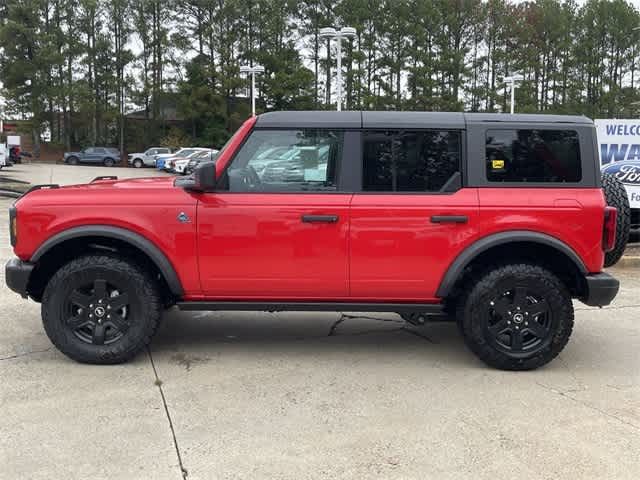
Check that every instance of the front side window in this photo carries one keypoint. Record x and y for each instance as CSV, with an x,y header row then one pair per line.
x,y
410,161
543,156
285,161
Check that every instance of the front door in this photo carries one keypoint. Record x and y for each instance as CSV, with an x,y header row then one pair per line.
x,y
412,217
278,226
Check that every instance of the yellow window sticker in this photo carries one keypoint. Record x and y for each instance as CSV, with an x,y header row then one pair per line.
x,y
497,164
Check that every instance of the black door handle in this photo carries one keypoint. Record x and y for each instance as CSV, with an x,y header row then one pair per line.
x,y
319,218
449,219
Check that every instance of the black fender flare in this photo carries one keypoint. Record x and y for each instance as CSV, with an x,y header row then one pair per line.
x,y
136,240
471,252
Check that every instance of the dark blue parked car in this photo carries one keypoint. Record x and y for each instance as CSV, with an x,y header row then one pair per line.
x,y
98,155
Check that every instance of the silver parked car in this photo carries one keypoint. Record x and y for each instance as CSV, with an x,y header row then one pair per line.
x,y
147,158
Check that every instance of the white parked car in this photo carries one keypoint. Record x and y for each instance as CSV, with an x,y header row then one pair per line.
x,y
148,158
178,162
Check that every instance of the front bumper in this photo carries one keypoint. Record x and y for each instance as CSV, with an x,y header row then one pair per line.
x,y
602,288
17,274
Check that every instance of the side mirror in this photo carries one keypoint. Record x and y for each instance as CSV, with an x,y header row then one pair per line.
x,y
204,177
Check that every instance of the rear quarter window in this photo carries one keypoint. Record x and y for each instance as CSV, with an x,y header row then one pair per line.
x,y
533,156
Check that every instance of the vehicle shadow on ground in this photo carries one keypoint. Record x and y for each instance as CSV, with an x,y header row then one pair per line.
x,y
308,335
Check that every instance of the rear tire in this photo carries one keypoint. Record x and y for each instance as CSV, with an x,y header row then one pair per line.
x,y
109,162
101,309
516,317
616,196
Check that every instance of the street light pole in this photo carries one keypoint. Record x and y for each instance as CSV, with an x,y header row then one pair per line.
x,y
512,82
252,71
330,33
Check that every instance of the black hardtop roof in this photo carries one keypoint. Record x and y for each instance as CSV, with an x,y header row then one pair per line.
x,y
383,119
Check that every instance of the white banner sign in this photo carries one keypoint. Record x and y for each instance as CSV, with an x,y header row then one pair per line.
x,y
619,149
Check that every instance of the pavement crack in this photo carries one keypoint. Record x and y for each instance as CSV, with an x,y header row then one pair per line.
x,y
344,317
421,335
158,383
565,394
334,327
18,355
377,319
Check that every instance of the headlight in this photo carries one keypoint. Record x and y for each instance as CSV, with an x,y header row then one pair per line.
x,y
13,226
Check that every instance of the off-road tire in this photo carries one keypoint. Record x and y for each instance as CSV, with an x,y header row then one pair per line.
x,y
616,196
137,163
474,309
109,162
144,308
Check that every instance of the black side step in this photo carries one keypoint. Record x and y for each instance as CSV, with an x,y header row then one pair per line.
x,y
429,308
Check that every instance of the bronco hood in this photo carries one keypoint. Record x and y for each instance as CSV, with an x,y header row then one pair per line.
x,y
108,191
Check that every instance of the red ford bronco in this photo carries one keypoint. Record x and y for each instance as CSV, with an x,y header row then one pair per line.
x,y
497,221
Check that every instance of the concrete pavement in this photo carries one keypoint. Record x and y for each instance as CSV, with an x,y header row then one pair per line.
x,y
315,395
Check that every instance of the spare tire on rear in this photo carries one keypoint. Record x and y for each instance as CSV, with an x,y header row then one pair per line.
x,y
616,196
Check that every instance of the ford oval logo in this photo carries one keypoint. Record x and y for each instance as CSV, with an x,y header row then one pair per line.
x,y
627,171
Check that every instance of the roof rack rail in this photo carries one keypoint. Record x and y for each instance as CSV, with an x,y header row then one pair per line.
x,y
104,177
44,186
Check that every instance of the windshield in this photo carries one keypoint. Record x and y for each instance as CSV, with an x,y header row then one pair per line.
x,y
185,152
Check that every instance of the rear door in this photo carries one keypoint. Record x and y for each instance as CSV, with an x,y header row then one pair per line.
x,y
412,215
278,229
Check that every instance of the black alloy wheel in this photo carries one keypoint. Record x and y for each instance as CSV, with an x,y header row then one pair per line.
x,y
98,312
518,321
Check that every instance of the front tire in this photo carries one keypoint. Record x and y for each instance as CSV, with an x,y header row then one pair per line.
x,y
137,163
72,160
101,309
516,317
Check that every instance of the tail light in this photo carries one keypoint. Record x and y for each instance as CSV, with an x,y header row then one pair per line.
x,y
609,231
13,226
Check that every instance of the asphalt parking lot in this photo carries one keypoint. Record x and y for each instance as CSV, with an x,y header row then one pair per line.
x,y
315,395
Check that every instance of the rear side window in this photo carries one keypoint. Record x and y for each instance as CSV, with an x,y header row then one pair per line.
x,y
533,156
410,161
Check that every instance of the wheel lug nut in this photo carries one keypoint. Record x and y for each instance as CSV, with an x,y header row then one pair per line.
x,y
91,305
108,307
100,301
517,327
108,316
90,315
80,310
526,323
